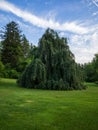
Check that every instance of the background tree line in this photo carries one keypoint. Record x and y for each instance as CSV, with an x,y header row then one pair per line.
x,y
51,64
91,70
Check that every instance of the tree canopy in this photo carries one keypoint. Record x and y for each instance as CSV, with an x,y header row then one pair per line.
x,y
53,66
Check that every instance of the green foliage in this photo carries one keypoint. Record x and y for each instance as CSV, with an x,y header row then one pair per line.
x,y
11,41
8,72
14,50
91,70
0,49
1,69
22,65
33,52
34,75
25,46
54,60
95,64
11,73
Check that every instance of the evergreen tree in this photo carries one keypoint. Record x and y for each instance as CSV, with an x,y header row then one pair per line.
x,y
25,46
59,64
12,50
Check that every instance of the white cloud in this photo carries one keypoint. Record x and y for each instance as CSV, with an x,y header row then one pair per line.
x,y
95,2
84,46
40,22
95,13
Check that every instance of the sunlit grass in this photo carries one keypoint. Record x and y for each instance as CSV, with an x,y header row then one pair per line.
x,y
31,109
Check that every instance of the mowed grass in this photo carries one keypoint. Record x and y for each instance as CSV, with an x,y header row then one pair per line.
x,y
30,109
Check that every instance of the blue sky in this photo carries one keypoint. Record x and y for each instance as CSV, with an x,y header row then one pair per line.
x,y
75,19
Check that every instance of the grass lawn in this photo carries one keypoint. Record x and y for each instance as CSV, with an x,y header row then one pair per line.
x,y
30,109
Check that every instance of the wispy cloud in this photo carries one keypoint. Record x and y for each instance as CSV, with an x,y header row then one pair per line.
x,y
74,26
95,2
84,46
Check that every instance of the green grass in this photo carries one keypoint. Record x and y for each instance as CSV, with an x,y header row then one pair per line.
x,y
31,109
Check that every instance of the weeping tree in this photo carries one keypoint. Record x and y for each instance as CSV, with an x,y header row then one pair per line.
x,y
53,66
34,75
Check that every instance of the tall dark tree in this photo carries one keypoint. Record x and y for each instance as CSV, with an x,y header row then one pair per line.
x,y
57,63
25,46
12,50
